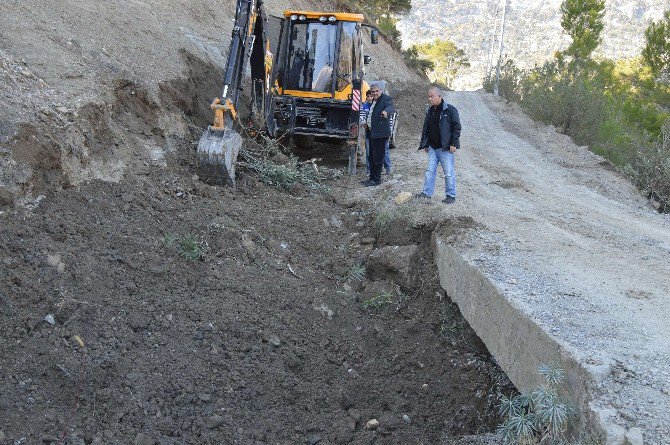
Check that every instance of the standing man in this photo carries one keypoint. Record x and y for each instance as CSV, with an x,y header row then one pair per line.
x,y
366,108
387,157
440,139
379,131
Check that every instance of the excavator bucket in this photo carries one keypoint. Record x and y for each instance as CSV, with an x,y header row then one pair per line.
x,y
217,155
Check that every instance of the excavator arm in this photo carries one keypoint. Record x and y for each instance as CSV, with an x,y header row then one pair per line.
x,y
220,143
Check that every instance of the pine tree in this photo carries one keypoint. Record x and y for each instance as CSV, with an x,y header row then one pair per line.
x,y
446,57
583,21
657,50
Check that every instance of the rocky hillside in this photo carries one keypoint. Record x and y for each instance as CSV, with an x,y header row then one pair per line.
x,y
533,31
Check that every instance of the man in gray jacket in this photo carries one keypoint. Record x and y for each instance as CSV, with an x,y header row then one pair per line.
x,y
440,139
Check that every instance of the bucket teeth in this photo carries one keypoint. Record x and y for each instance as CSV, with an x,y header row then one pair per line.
x,y
217,155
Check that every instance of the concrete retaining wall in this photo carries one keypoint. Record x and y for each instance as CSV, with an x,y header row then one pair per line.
x,y
512,337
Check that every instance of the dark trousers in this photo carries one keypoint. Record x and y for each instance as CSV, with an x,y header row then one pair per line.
x,y
376,158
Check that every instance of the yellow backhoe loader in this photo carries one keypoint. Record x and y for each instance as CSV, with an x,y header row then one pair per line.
x,y
307,80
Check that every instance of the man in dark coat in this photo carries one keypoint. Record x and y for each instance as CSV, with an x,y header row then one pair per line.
x,y
440,139
379,130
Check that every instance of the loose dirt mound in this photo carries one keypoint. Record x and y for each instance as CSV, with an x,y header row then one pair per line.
x,y
258,337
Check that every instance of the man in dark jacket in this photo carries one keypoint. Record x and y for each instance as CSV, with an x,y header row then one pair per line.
x,y
440,139
379,132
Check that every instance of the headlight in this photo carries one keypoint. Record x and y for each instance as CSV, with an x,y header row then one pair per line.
x,y
331,18
323,18
294,17
302,17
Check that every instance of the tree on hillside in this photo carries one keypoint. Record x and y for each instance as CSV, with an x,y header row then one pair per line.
x,y
583,21
447,59
657,50
414,60
384,13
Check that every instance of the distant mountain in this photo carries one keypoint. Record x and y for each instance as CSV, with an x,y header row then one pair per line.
x,y
533,30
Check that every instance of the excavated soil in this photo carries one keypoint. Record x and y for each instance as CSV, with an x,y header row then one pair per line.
x,y
141,306
261,339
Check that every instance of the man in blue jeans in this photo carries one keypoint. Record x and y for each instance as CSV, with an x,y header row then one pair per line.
x,y
440,139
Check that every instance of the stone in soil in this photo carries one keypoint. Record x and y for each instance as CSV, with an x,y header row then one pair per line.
x,y
372,424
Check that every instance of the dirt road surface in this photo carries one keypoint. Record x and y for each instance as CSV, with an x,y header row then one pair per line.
x,y
571,242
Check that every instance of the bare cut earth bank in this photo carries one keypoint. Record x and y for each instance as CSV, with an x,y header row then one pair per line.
x,y
566,264
259,329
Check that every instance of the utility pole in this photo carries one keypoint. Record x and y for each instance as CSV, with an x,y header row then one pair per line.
x,y
500,48
489,64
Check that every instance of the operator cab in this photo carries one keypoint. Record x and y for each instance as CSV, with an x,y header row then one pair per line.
x,y
320,53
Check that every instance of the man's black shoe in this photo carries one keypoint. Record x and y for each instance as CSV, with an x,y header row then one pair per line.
x,y
449,200
421,196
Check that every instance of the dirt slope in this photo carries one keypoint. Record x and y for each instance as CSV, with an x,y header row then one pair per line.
x,y
262,340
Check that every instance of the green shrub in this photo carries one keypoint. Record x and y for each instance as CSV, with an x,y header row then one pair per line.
x,y
190,247
650,169
379,301
355,273
542,416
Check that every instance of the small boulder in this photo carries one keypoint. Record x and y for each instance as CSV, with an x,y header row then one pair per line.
x,y
372,424
392,262
402,198
634,437
214,422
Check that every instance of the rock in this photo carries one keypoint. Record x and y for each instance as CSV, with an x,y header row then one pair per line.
x,y
372,424
313,440
2,436
56,262
27,73
143,439
406,418
49,318
512,281
368,240
634,437
392,262
49,439
335,222
354,414
214,422
6,197
402,198
273,339
250,247
63,110
321,307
